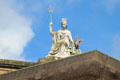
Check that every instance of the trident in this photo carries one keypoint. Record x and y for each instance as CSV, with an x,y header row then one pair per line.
x,y
50,10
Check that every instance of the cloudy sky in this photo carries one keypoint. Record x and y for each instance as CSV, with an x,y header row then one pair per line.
x,y
24,26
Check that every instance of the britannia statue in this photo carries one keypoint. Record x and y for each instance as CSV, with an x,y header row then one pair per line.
x,y
63,44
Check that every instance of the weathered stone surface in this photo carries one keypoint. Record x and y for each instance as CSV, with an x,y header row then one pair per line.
x,y
5,70
13,65
93,65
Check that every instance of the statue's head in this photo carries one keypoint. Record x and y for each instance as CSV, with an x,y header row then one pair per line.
x,y
64,23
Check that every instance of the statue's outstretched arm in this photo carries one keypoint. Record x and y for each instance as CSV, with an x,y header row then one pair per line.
x,y
51,29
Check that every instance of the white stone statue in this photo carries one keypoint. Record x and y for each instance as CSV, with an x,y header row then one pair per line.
x,y
63,44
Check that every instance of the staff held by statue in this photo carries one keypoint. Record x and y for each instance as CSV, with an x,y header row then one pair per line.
x,y
50,11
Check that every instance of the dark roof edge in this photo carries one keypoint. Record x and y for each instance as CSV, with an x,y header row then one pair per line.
x,y
14,64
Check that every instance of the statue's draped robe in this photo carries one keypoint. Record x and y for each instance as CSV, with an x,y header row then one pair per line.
x,y
61,44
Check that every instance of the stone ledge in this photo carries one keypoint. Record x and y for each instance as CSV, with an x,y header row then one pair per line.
x,y
15,64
